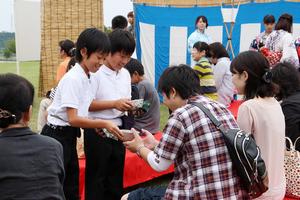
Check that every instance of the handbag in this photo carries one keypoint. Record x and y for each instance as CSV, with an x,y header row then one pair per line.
x,y
245,156
292,169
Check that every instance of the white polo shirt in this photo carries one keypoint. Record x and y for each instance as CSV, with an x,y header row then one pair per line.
x,y
110,85
73,91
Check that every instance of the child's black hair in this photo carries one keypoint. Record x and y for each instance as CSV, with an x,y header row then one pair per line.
x,y
93,40
135,66
121,41
202,46
119,22
269,19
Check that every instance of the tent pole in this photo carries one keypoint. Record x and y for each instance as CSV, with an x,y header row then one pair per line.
x,y
18,67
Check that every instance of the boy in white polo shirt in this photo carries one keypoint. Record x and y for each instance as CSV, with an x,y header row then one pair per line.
x,y
105,155
69,109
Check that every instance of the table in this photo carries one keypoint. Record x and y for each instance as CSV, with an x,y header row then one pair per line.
x,y
136,170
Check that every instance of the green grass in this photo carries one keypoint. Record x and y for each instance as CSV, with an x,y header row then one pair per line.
x,y
31,70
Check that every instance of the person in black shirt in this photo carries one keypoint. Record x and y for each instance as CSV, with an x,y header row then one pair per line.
x,y
286,76
31,165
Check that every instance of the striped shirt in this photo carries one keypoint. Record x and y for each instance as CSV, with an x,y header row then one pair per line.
x,y
207,82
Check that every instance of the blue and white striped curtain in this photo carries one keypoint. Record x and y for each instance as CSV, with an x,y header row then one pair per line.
x,y
162,32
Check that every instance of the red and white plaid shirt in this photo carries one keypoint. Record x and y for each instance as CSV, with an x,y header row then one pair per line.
x,y
203,168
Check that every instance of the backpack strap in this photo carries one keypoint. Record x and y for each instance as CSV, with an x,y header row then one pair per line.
x,y
216,122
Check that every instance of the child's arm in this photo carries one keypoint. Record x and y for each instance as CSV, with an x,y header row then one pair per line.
x,y
82,122
121,104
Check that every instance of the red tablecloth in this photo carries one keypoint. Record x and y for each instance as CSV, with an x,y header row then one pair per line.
x,y
234,107
135,170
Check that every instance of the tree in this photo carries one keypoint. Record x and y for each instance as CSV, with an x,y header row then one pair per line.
x,y
6,53
11,45
107,29
10,48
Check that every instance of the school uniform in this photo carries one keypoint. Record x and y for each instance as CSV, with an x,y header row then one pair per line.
x,y
73,91
105,155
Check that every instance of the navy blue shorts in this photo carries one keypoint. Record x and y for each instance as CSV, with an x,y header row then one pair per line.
x,y
153,193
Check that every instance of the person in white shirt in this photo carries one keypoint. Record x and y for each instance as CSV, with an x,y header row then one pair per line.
x,y
105,153
199,35
69,109
281,41
222,74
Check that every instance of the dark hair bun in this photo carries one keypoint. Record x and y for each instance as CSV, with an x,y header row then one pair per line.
x,y
6,118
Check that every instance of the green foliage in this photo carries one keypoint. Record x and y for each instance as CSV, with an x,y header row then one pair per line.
x,y
6,53
10,48
4,37
11,45
107,29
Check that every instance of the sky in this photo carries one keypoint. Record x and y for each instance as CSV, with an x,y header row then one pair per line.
x,y
109,7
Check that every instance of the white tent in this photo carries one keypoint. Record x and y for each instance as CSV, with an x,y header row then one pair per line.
x,y
27,18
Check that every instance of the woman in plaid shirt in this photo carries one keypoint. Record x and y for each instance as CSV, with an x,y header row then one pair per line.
x,y
203,168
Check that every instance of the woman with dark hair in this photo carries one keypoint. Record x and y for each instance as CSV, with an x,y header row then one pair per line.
x,y
222,74
261,115
199,34
31,165
287,77
65,53
280,45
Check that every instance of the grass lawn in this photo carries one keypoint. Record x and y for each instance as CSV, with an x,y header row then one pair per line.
x,y
29,70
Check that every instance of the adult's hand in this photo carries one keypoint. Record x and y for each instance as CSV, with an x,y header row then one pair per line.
x,y
134,144
149,140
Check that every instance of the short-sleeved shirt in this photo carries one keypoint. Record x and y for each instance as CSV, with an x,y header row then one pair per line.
x,y
150,119
108,84
73,91
31,166
203,168
205,73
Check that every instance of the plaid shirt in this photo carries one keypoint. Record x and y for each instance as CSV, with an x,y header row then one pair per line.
x,y
203,168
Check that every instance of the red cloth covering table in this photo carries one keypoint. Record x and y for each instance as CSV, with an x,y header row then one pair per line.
x,y
136,170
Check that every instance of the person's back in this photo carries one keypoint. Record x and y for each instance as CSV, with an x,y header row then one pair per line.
x,y
151,118
31,166
263,117
203,158
291,110
287,78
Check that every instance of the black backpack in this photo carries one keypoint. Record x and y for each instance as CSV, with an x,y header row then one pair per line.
x,y
245,156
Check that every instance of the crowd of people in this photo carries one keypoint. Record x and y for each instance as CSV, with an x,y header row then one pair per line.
x,y
102,92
